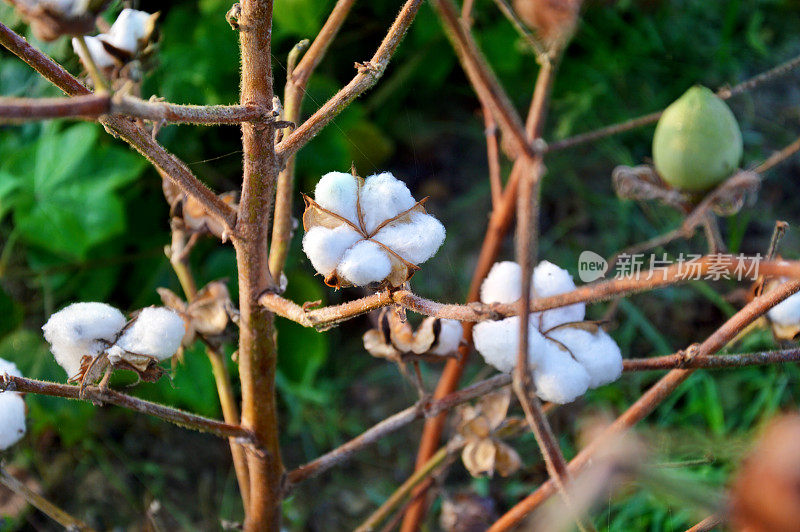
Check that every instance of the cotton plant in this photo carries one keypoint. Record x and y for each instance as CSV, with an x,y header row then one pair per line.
x,y
566,355
12,409
50,19
369,231
128,36
89,338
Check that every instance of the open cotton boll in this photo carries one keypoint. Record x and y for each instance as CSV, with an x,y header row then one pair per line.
x,y
81,329
383,197
325,247
338,192
502,285
100,56
550,280
449,337
787,312
130,27
156,332
597,352
12,419
498,342
9,368
415,241
365,263
557,376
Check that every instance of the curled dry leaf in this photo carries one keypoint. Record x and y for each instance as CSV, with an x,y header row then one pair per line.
x,y
207,314
50,19
395,340
190,214
367,231
484,452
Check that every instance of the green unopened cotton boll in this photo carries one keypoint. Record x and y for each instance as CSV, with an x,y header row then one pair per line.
x,y
697,143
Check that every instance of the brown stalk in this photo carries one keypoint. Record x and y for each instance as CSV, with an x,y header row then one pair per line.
x,y
493,156
651,398
683,360
257,347
99,395
92,106
368,74
712,522
296,82
134,135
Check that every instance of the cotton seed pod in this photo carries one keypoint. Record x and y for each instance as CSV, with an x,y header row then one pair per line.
x,y
697,143
369,231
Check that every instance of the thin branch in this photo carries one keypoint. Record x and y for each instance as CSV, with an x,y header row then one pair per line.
x,y
523,31
391,424
134,135
651,398
493,156
724,93
596,292
712,522
368,74
294,92
93,106
682,360
482,78
778,157
405,489
100,396
42,504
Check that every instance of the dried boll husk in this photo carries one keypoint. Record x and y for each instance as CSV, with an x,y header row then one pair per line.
x,y
553,20
50,19
395,339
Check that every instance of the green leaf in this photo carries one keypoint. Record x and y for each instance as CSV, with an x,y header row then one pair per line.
x,y
301,350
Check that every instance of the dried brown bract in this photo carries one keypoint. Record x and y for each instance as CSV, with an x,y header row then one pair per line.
x,y
553,20
50,19
484,452
394,339
207,314
190,213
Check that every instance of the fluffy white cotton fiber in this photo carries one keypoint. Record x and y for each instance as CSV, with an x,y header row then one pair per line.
x,y
565,361
449,337
82,329
156,332
787,312
12,410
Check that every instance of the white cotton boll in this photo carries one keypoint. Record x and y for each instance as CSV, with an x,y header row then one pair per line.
x,y
100,56
502,285
81,329
365,263
156,332
383,197
597,352
416,241
9,368
337,192
558,377
130,27
325,247
498,342
449,337
550,280
12,419
787,312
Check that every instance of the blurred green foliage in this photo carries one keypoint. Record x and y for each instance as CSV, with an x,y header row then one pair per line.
x,y
83,218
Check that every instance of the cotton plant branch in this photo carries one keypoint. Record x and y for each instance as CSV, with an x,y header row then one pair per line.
x,y
651,398
257,346
634,123
648,279
39,502
297,77
134,135
391,424
685,359
368,74
93,106
101,396
712,522
179,259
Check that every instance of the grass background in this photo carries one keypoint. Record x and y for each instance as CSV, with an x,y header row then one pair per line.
x,y
92,226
